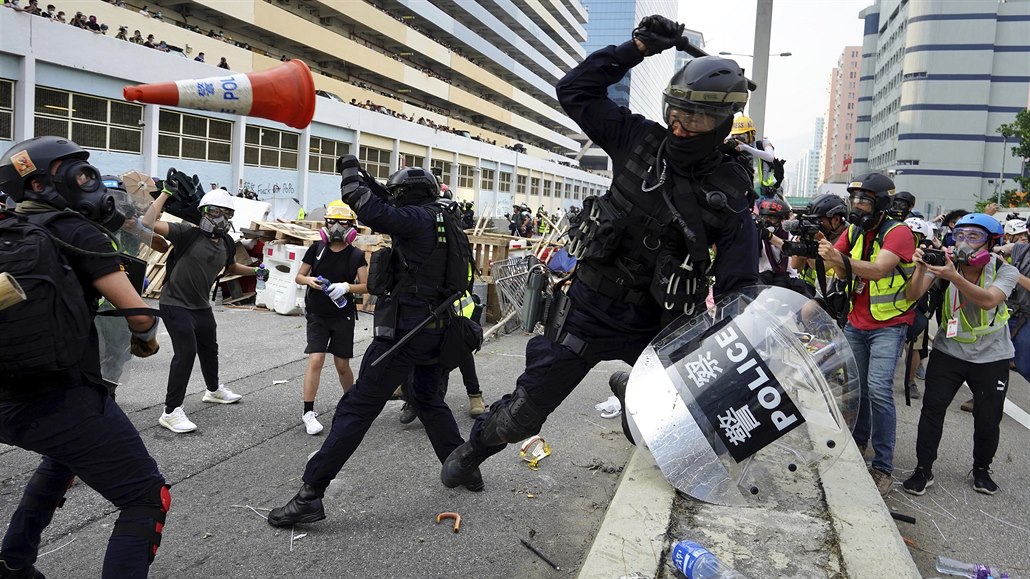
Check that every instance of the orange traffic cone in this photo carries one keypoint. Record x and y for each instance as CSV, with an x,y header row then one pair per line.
x,y
285,93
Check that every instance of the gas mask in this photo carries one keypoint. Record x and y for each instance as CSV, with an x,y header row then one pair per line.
x,y
338,231
966,254
215,221
865,220
77,186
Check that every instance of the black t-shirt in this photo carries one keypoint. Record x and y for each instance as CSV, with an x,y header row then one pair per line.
x,y
335,266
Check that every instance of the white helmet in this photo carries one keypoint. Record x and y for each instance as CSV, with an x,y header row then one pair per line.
x,y
1015,227
218,198
920,226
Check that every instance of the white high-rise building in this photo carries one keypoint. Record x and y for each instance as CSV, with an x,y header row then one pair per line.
x,y
938,79
807,184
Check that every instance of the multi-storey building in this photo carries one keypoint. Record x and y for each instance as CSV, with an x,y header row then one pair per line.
x,y
465,88
811,162
938,79
838,145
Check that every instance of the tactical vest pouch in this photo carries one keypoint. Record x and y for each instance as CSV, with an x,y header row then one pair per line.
x,y
599,232
380,272
557,313
384,324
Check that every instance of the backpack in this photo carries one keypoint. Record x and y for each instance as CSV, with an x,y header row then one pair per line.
x,y
49,331
455,242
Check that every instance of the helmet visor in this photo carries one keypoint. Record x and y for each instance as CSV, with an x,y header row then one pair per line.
x,y
696,118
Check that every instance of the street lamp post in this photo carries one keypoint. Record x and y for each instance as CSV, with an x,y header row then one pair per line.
x,y
1001,174
760,74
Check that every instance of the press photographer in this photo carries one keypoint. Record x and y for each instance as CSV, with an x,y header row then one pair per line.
x,y
774,267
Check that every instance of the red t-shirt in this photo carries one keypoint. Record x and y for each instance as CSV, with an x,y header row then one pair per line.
x,y
901,243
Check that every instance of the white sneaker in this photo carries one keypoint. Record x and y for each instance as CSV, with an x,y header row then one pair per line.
x,y
221,396
311,422
176,421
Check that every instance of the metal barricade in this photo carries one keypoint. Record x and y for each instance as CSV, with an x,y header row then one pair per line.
x,y
510,277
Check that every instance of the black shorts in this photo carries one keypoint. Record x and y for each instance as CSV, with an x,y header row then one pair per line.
x,y
333,335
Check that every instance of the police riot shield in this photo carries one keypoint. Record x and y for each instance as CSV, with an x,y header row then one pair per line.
x,y
734,401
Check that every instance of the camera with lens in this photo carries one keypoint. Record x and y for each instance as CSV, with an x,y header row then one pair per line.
x,y
934,257
804,228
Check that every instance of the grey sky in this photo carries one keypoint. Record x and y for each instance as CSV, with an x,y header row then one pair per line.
x,y
815,31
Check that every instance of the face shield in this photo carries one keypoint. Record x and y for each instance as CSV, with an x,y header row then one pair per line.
x,y
732,404
695,117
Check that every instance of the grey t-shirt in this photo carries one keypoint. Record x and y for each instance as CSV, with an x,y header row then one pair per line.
x,y
987,348
196,269
1019,300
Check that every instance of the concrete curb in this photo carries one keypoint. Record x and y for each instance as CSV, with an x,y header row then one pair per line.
x,y
633,533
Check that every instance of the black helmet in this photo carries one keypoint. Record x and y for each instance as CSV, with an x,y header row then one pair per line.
x,y
828,205
710,84
879,187
413,185
774,206
30,160
901,205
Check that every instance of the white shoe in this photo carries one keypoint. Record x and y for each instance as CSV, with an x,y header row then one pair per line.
x,y
311,422
221,396
176,421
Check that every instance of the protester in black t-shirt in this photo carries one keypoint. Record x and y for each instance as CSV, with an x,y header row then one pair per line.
x,y
330,327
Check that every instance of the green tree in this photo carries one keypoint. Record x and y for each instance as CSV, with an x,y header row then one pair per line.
x,y
1018,131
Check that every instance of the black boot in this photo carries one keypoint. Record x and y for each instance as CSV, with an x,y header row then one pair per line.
x,y
29,572
306,507
475,482
618,382
408,413
462,468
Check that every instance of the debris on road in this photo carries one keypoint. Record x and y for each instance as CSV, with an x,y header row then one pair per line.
x,y
450,515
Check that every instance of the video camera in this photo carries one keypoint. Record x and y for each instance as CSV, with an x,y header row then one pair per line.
x,y
804,228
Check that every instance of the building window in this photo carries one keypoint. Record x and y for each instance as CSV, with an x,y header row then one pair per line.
x,y
534,185
413,161
504,183
266,147
465,176
322,154
92,122
6,110
486,180
376,162
185,136
520,185
442,170
575,192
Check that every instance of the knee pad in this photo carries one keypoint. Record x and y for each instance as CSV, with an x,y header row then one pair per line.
x,y
146,521
515,419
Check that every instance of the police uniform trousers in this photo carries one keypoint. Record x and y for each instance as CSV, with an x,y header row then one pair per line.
x,y
81,432
373,389
612,330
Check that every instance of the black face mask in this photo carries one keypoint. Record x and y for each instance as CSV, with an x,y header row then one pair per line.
x,y
682,152
864,221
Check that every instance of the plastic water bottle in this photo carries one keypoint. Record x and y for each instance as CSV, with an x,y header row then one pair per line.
x,y
696,562
971,570
261,277
340,303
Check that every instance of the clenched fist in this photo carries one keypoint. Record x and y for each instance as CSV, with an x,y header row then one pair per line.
x,y
657,33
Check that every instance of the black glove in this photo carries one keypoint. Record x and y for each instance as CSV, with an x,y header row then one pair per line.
x,y
658,33
764,232
144,344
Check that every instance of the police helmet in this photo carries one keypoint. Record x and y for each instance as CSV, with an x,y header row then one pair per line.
x,y
774,207
708,90
413,185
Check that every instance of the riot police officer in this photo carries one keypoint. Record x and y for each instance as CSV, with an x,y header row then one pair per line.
x,y
52,401
643,247
407,211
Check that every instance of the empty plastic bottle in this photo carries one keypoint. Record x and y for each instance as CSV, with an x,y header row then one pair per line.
x,y
970,570
261,275
696,562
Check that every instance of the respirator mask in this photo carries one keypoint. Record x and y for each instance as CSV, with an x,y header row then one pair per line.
x,y
336,230
215,220
971,247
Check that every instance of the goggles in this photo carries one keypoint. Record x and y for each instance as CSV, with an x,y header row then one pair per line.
x,y
696,118
329,222
971,235
216,212
861,201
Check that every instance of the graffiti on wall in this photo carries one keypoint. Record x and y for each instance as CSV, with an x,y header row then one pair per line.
x,y
262,191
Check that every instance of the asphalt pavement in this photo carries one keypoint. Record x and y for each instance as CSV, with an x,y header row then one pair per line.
x,y
248,457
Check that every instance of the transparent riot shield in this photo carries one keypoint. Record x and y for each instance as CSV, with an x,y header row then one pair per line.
x,y
732,402
133,241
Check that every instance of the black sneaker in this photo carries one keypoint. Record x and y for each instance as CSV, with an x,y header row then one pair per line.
x,y
982,482
917,483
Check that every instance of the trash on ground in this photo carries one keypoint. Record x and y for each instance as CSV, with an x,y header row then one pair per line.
x,y
534,450
278,382
449,515
539,554
610,408
972,570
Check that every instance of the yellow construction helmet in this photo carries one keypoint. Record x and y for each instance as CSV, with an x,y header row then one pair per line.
x,y
742,125
340,210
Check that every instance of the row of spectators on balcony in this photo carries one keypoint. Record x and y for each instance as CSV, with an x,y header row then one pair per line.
x,y
80,20
408,22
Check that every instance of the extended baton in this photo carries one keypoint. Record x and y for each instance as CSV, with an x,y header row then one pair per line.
x,y
684,44
407,337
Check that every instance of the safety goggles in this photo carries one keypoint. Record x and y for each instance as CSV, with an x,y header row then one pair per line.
x,y
217,212
970,235
862,202
329,222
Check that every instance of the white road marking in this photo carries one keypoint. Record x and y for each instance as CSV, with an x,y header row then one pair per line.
x,y
1017,414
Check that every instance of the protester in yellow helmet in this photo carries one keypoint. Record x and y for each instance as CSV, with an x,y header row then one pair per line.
x,y
761,151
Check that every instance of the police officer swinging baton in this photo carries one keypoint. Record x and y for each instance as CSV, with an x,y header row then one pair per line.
x,y
407,337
